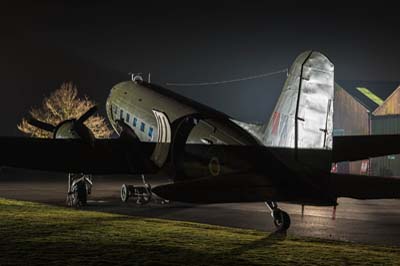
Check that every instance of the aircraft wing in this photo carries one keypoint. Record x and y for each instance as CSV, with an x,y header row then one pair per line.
x,y
353,148
105,156
225,188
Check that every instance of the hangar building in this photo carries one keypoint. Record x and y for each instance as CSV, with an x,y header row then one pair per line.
x,y
360,110
386,120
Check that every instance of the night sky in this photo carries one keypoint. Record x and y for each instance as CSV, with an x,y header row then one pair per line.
x,y
96,45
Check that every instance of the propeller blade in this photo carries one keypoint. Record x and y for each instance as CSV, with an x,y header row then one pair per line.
x,y
84,132
42,125
87,114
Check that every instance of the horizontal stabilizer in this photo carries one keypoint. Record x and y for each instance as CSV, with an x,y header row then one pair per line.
x,y
353,148
365,187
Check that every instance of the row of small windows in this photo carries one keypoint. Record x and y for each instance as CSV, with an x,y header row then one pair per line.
x,y
134,121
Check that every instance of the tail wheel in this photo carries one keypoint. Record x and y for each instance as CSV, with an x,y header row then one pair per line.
x,y
281,219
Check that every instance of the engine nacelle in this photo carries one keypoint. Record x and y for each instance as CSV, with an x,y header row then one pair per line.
x,y
66,130
72,129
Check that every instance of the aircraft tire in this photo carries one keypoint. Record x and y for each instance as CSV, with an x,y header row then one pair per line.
x,y
281,220
124,193
127,191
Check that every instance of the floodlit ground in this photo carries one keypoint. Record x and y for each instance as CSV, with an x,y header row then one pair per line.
x,y
33,233
361,221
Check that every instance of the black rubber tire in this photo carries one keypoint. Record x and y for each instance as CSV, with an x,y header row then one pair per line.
x,y
281,220
124,193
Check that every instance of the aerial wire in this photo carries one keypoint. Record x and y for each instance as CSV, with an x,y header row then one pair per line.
x,y
228,81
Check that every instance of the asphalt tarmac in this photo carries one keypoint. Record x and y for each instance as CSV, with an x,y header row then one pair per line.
x,y
372,221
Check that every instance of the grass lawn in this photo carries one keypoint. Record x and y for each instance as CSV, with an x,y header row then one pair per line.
x,y
33,233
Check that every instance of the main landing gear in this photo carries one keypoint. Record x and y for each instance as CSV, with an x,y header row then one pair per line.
x,y
281,218
79,187
140,194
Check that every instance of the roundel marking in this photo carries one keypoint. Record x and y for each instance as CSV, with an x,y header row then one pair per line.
x,y
214,166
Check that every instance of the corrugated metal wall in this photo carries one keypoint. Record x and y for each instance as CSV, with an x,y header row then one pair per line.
x,y
387,165
350,118
386,120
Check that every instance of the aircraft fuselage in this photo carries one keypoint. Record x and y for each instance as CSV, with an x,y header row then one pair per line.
x,y
133,102
216,148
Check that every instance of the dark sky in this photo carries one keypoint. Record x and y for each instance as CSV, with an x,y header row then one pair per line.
x,y
97,44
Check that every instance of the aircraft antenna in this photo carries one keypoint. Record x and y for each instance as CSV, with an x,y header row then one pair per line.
x,y
228,81
136,76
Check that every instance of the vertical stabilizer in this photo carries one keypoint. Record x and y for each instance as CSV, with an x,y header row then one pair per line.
x,y
302,117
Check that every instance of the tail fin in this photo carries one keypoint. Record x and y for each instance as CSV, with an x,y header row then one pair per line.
x,y
302,117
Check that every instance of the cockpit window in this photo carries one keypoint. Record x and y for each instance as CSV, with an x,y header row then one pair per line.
x,y
142,126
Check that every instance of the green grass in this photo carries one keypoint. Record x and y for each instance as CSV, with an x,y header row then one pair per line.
x,y
33,233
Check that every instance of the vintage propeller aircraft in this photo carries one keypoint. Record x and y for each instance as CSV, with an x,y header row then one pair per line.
x,y
210,157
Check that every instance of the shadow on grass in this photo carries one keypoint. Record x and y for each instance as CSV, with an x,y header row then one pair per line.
x,y
267,241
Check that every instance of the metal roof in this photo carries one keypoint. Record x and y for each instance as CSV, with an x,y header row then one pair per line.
x,y
369,93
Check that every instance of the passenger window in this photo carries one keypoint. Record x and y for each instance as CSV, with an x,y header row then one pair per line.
x,y
121,114
150,132
142,126
127,118
134,121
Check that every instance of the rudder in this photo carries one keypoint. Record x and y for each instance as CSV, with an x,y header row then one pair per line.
x,y
302,117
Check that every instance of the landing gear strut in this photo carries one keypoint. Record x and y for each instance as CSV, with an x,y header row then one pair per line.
x,y
140,194
281,218
79,187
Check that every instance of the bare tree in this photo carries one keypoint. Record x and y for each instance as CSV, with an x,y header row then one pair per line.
x,y
61,105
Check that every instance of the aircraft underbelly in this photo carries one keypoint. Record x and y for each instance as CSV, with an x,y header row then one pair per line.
x,y
247,190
